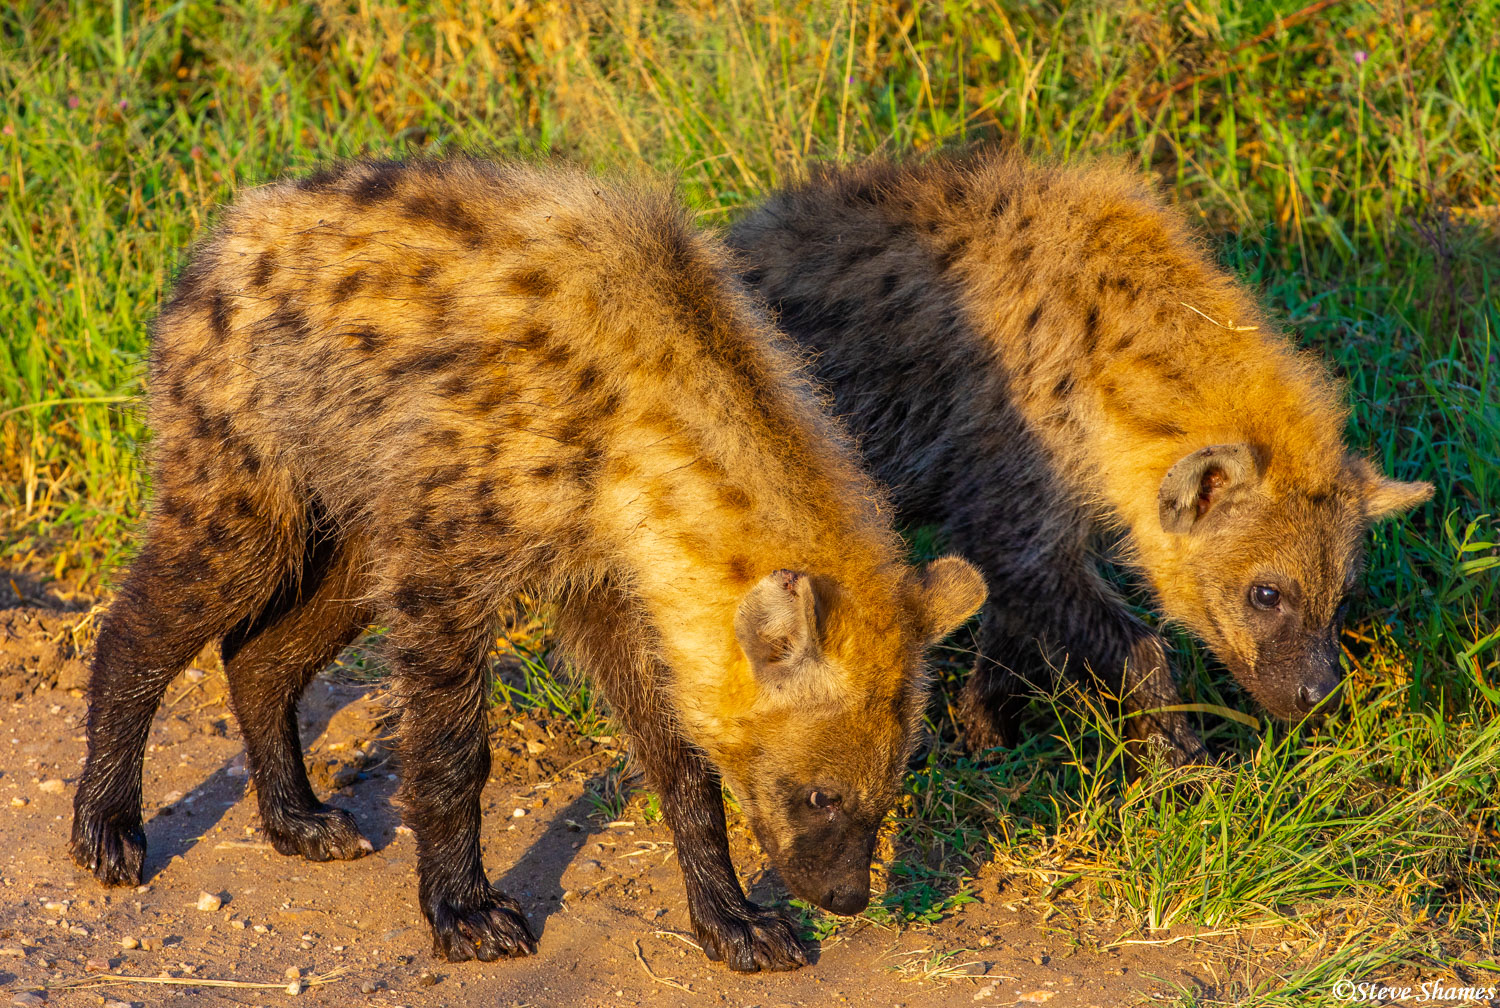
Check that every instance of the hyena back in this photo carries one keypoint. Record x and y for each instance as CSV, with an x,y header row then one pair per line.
x,y
405,393
1033,358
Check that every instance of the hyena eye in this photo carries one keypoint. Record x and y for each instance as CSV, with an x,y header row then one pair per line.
x,y
823,800
1264,596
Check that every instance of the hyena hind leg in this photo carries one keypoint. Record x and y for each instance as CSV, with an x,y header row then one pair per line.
x,y
208,548
269,660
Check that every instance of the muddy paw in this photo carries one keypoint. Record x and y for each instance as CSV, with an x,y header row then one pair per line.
x,y
486,929
324,834
761,940
114,852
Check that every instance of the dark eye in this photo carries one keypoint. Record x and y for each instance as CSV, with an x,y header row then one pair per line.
x,y
1264,596
823,800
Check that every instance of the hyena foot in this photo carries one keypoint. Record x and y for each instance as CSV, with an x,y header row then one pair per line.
x,y
986,721
323,833
487,926
750,940
1178,746
115,852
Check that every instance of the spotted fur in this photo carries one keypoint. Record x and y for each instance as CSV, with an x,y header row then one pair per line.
x,y
407,392
1036,358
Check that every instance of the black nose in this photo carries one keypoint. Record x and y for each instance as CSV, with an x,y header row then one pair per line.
x,y
847,900
1312,695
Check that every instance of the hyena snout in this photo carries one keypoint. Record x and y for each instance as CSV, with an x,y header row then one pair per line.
x,y
1320,688
833,875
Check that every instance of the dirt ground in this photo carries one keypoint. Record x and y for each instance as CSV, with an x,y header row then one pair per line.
x,y
607,899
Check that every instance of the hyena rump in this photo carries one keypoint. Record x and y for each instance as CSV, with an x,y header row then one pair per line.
x,y
1034,356
406,392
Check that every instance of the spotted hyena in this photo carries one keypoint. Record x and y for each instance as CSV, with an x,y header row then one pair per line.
x,y
405,392
1035,357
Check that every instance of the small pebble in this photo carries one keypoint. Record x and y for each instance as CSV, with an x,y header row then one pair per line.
x,y
20,802
129,943
96,965
369,987
260,929
52,785
589,867
292,973
196,675
294,988
150,944
209,903
427,978
518,813
306,946
118,1004
237,923
28,999
56,906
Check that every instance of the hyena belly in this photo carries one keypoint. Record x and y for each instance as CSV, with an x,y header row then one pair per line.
x,y
404,393
1036,359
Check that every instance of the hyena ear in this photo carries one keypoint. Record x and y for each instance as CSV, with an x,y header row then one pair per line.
x,y
777,625
1382,496
1201,482
949,590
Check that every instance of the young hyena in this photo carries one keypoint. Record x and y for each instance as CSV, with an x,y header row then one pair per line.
x,y
1033,356
406,392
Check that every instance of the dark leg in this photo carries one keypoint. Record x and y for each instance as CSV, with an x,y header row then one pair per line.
x,y
1062,614
207,562
269,661
441,678
609,640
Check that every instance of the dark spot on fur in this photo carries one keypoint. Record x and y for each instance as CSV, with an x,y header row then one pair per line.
x,y
347,286
218,315
888,284
1034,317
322,180
534,336
1020,254
739,569
588,379
1024,222
289,322
428,362
265,265
456,385
535,283
448,213
1091,330
545,471
1063,387
377,184
408,600
370,339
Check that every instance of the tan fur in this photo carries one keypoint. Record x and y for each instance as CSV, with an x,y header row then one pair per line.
x,y
1026,351
495,380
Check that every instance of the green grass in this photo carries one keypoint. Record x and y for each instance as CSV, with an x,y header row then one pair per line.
x,y
1347,164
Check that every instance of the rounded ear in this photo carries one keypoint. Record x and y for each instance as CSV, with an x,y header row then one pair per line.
x,y
1202,483
1382,496
949,591
777,622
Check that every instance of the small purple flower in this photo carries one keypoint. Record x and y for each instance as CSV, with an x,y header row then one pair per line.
x,y
123,104
1360,56
72,101
9,129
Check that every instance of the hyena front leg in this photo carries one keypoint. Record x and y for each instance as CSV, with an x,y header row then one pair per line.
x,y
606,637
437,655
1069,618
269,661
214,548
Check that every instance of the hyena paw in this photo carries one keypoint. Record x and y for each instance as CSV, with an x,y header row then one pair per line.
x,y
983,726
759,940
488,928
114,852
322,834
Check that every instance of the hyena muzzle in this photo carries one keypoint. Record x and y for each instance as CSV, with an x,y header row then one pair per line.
x,y
405,393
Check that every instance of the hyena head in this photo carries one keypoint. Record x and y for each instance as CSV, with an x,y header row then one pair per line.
x,y
1263,575
840,691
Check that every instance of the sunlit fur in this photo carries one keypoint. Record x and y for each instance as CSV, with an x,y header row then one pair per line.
x,y
1023,352
477,381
